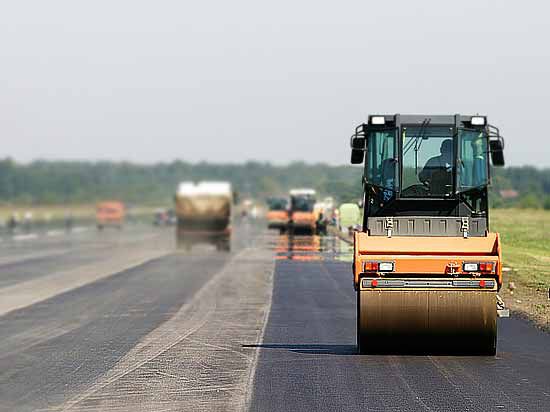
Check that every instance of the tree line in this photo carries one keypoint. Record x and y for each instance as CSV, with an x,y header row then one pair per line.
x,y
54,182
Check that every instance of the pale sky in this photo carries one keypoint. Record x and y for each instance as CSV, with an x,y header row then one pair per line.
x,y
277,81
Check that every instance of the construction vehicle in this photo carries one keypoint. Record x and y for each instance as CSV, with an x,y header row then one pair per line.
x,y
426,267
277,215
302,218
110,214
203,214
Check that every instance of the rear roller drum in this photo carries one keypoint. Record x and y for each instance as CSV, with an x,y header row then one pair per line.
x,y
420,321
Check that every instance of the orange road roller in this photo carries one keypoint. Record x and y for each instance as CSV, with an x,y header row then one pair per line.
x,y
302,218
277,215
426,267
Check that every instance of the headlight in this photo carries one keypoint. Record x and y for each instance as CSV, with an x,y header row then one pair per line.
x,y
385,266
377,120
485,267
470,267
478,121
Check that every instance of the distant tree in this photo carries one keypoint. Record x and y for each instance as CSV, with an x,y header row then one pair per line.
x,y
80,182
530,201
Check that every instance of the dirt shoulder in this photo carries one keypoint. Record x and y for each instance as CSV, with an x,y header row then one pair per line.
x,y
525,240
526,300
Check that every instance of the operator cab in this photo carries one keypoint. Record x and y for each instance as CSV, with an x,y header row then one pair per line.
x,y
302,200
428,173
277,203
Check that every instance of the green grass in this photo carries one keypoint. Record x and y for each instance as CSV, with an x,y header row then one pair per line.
x,y
525,244
53,212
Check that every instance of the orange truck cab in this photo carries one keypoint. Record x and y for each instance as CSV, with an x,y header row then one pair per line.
x,y
426,266
110,213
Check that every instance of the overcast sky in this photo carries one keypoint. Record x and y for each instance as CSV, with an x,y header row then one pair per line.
x,y
277,81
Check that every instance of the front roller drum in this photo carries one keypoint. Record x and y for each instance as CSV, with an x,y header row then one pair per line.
x,y
426,321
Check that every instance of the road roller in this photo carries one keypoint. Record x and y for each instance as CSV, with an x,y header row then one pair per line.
x,y
426,267
302,218
277,216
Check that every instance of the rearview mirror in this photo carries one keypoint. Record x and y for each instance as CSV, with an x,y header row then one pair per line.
x,y
357,157
357,149
497,152
357,143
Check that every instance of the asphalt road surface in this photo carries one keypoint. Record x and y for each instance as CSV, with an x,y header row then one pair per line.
x,y
122,321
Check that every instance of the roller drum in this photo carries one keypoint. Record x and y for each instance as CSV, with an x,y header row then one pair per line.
x,y
426,321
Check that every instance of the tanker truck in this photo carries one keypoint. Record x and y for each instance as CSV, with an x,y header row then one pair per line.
x,y
203,214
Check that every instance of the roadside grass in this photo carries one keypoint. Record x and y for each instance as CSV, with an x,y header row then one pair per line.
x,y
525,244
58,212
47,212
526,251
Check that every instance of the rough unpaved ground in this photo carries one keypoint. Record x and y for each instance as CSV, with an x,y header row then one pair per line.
x,y
526,251
527,301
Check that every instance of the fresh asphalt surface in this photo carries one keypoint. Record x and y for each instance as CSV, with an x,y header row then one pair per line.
x,y
154,337
308,359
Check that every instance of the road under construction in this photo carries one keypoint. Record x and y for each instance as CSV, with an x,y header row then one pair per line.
x,y
227,312
123,320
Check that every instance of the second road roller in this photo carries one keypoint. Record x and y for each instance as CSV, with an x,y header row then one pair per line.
x,y
302,218
426,267
277,216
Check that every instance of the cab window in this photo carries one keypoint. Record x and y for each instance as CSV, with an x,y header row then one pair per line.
x,y
473,162
382,159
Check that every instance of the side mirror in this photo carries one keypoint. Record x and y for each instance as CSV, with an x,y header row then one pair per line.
x,y
497,152
357,149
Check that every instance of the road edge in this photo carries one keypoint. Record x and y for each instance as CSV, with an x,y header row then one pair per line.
x,y
252,370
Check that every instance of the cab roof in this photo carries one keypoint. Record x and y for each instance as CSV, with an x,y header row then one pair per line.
x,y
431,119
